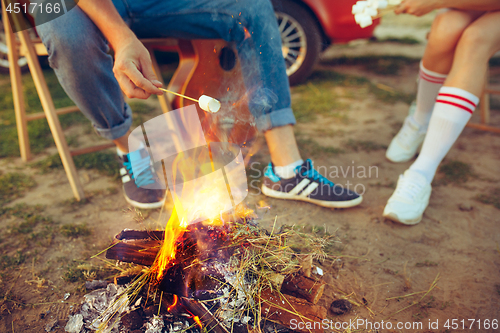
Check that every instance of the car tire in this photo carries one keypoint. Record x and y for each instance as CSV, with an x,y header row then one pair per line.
x,y
301,39
4,62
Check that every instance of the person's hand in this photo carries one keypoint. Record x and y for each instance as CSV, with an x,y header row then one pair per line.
x,y
133,69
417,7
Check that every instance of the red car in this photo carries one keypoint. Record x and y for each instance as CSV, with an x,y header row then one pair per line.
x,y
309,26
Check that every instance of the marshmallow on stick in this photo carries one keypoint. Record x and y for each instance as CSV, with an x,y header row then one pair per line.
x,y
206,103
365,11
209,104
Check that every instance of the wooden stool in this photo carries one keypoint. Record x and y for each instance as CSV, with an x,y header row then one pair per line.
x,y
31,49
484,108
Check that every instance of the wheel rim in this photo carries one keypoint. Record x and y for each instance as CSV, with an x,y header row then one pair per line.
x,y
293,42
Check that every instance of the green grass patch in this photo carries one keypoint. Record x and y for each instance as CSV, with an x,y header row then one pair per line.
x,y
407,40
426,263
381,65
79,271
38,130
10,262
315,149
366,146
319,97
142,112
492,198
13,185
71,230
106,162
29,225
455,172
388,95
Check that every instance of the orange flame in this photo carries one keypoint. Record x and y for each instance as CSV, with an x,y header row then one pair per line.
x,y
192,208
176,299
197,321
176,226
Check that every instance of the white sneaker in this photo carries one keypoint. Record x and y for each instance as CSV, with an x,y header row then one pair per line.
x,y
409,200
405,144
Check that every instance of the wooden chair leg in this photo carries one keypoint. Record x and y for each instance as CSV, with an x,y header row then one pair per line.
x,y
484,102
52,118
17,89
165,104
484,108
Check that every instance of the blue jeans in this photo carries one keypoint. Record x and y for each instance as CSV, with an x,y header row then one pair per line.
x,y
78,52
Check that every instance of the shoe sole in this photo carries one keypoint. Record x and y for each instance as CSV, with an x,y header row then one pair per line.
x,y
405,159
400,161
142,205
328,204
395,218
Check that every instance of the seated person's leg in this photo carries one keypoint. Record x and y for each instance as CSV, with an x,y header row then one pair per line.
x,y
479,42
78,53
445,33
454,106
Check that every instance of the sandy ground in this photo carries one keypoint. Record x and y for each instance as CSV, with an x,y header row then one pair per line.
x,y
382,267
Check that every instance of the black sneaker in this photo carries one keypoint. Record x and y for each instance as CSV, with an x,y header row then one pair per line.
x,y
141,186
308,185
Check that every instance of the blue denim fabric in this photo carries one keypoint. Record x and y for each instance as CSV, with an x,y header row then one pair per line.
x,y
78,52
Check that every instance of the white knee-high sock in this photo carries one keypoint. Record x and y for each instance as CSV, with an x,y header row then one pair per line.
x,y
429,83
452,111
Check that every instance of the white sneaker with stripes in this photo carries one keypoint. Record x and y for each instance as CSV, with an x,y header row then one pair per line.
x,y
309,185
141,187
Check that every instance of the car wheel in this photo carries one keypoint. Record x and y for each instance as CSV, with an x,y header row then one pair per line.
x,y
300,39
4,62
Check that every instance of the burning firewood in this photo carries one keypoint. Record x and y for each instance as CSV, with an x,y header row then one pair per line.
x,y
304,287
237,268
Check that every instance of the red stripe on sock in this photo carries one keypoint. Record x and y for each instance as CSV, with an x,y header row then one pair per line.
x,y
456,104
431,78
431,81
458,97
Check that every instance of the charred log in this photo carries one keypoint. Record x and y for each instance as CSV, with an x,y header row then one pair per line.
x,y
303,287
285,310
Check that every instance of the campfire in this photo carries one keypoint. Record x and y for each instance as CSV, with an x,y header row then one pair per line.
x,y
225,277
212,268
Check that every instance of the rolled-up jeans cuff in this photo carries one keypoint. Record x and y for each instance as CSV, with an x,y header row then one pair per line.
x,y
274,119
119,130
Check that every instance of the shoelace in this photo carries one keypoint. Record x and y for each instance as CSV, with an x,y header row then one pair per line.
x,y
142,168
408,134
312,173
407,188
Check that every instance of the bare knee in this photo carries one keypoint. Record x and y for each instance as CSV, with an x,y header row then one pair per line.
x,y
479,41
447,29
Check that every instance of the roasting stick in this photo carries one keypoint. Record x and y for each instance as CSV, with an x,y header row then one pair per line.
x,y
385,11
180,95
205,102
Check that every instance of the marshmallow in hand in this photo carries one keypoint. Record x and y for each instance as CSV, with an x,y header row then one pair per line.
x,y
363,20
365,10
